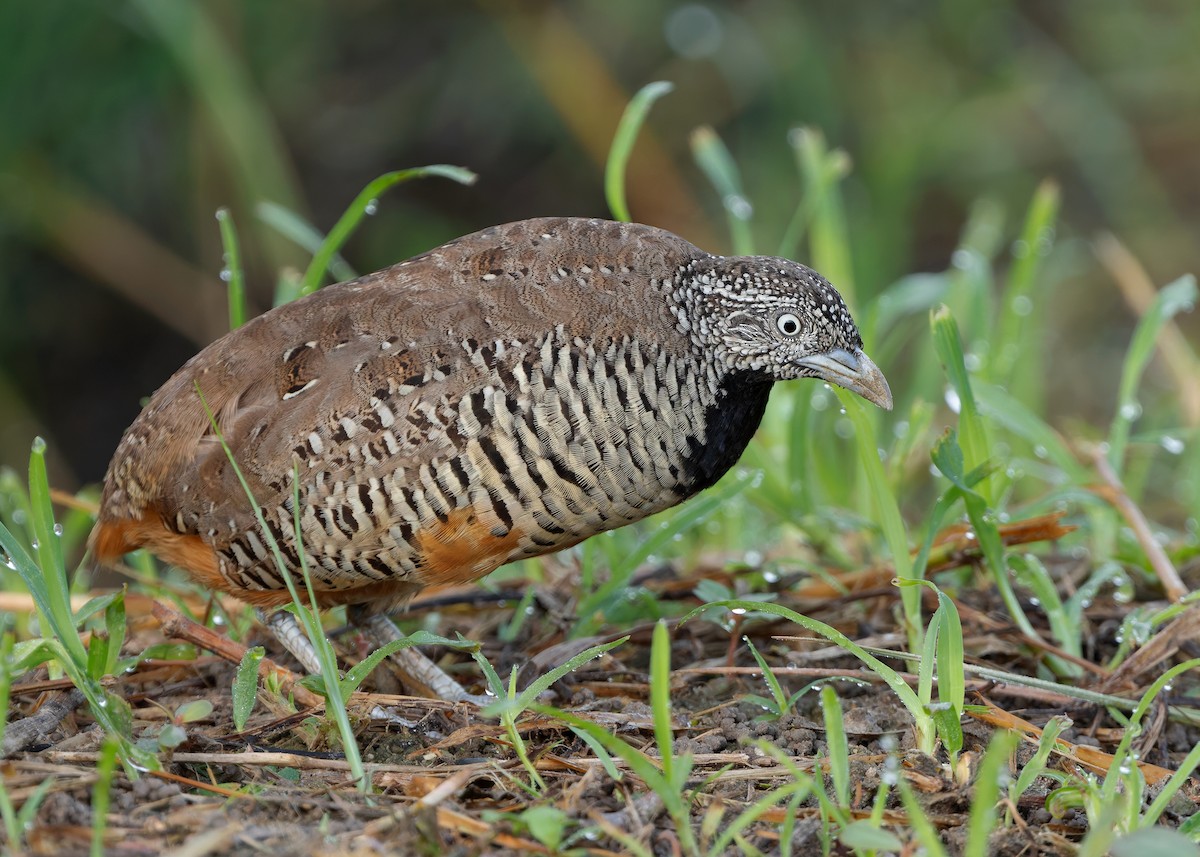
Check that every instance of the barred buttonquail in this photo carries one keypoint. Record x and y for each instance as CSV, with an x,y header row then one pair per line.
x,y
506,395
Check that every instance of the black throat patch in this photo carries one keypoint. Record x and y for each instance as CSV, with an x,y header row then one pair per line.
x,y
729,424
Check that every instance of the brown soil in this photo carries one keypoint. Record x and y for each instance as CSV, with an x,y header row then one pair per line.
x,y
447,782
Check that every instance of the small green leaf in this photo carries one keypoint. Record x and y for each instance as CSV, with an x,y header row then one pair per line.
x,y
171,736
546,824
192,711
864,835
245,686
1154,842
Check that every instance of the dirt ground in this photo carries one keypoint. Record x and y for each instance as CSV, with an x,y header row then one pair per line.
x,y
446,781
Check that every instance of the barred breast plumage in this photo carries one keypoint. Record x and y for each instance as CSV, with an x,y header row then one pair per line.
x,y
508,394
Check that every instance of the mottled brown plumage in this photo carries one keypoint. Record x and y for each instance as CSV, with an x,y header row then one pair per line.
x,y
503,396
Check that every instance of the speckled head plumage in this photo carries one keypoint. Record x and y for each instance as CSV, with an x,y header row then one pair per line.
x,y
775,318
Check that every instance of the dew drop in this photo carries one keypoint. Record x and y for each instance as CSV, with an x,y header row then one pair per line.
x,y
952,400
58,529
35,544
1022,305
226,275
738,206
1172,445
1131,411
371,207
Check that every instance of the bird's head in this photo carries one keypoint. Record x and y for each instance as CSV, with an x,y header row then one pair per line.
x,y
776,318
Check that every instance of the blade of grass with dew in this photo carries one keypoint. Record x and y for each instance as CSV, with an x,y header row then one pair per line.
x,y
363,205
543,682
908,697
359,672
1178,296
643,767
309,620
888,510
821,169
48,550
302,233
1134,727
982,819
232,273
837,745
106,765
948,344
923,829
835,167
715,161
660,697
46,581
948,457
742,822
622,145
1037,238
1037,764
1011,414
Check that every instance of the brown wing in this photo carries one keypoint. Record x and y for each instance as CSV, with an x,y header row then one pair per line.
x,y
361,383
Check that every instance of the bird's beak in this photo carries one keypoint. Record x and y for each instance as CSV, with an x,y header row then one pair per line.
x,y
855,371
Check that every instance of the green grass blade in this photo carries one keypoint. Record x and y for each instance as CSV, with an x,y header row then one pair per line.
x,y
543,682
837,744
780,698
715,161
887,508
1034,767
1179,296
952,688
948,344
363,205
106,765
299,231
1010,413
1034,245
660,698
756,810
622,145
232,273
821,170
907,696
982,819
924,830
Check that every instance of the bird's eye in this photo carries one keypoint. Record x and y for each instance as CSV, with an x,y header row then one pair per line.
x,y
788,324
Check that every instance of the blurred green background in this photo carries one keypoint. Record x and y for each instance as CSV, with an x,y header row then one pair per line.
x,y
125,124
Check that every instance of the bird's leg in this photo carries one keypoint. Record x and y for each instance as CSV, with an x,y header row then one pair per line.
x,y
286,628
414,666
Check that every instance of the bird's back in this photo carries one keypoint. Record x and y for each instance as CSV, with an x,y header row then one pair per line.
x,y
505,395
